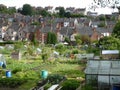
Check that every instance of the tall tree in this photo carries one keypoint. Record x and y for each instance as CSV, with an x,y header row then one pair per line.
x,y
44,13
85,39
51,38
3,8
61,12
27,9
12,10
67,14
116,30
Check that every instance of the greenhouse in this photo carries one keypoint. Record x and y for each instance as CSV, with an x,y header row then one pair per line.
x,y
103,74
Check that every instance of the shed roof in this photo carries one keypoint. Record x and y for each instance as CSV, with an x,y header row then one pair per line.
x,y
110,51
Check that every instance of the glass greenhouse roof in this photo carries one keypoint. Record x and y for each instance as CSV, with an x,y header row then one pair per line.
x,y
103,67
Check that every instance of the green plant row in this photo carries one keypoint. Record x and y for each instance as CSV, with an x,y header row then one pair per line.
x,y
12,82
70,84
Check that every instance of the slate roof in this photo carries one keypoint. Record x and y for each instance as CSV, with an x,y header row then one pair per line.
x,y
85,30
57,20
66,31
104,30
14,26
29,28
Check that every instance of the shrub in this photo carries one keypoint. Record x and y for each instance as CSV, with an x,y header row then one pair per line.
x,y
55,78
44,56
12,82
87,87
70,84
20,74
75,51
59,46
16,70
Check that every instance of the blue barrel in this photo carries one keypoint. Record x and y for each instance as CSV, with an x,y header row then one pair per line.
x,y
1,63
44,74
8,74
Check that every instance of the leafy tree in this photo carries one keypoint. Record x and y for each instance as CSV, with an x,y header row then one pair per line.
x,y
19,10
3,9
51,38
116,30
12,10
78,39
77,15
61,12
109,43
55,15
27,9
85,39
102,18
44,13
67,14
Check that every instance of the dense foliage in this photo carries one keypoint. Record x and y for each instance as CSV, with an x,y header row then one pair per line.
x,y
27,9
55,78
109,43
116,30
51,38
12,82
70,85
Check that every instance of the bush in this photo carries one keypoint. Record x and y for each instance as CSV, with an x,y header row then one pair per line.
x,y
16,70
70,85
12,82
59,46
20,74
55,78
87,87
75,51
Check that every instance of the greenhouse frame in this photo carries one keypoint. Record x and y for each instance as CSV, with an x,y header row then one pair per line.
x,y
103,74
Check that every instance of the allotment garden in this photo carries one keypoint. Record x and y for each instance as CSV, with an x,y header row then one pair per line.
x,y
25,62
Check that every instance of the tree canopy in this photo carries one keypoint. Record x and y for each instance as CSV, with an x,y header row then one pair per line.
x,y
116,30
3,9
61,12
27,9
109,43
51,38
